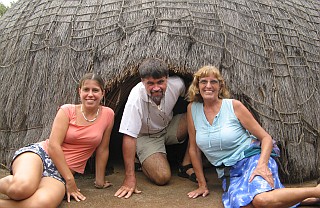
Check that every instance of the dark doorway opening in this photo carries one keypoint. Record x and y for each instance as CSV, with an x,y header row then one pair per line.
x,y
116,98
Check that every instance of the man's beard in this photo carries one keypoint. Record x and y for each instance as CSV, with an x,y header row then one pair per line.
x,y
156,99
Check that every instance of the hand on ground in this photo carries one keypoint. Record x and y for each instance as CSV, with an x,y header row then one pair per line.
x,y
127,189
72,190
201,191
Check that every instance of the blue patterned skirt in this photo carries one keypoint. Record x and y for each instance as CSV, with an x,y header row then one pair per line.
x,y
241,192
49,169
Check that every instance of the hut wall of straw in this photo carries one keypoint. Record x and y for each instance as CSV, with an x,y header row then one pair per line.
x,y
267,50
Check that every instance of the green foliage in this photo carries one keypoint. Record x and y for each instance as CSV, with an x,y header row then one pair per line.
x,y
3,9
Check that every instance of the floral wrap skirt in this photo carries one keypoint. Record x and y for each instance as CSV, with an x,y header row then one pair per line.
x,y
240,192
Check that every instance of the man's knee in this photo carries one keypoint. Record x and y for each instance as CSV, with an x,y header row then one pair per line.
x,y
161,179
157,169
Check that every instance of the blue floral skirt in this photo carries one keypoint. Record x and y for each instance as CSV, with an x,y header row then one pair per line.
x,y
240,192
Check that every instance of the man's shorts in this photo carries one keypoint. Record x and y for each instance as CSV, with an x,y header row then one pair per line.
x,y
49,169
150,144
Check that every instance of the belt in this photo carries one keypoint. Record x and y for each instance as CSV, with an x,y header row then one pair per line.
x,y
226,174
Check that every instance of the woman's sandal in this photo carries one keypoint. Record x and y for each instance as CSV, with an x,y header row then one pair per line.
x,y
183,173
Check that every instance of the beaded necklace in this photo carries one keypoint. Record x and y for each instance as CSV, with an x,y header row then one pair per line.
x,y
92,120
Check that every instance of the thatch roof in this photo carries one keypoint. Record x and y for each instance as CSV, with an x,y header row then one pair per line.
x,y
268,51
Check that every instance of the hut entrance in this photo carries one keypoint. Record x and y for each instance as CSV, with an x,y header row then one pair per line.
x,y
116,98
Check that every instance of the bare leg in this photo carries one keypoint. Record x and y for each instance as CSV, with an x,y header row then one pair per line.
x,y
156,167
182,133
5,183
27,172
50,193
248,206
285,197
187,160
311,201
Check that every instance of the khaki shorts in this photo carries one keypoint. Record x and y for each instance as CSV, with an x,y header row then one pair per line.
x,y
148,145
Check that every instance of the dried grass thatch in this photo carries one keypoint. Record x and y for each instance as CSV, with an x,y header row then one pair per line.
x,y
268,51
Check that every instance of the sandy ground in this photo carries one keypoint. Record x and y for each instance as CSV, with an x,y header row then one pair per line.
x,y
172,195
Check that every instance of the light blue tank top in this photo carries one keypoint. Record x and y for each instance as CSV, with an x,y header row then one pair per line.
x,y
223,142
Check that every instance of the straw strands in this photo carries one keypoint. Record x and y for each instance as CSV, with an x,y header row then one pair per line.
x,y
268,51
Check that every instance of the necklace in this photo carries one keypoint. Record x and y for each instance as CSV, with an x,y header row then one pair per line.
x,y
92,120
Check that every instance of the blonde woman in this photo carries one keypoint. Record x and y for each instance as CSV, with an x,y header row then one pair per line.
x,y
233,141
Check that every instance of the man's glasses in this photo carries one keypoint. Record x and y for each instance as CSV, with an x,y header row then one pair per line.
x,y
205,82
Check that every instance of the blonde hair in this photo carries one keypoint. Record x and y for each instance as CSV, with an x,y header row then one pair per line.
x,y
194,95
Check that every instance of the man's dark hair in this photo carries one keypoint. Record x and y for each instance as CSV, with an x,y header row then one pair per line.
x,y
153,67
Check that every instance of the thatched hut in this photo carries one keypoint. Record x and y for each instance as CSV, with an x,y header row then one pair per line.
x,y
268,51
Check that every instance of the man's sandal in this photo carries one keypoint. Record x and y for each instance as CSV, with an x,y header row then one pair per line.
x,y
183,172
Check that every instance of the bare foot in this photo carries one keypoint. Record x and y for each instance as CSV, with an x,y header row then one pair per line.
x,y
310,201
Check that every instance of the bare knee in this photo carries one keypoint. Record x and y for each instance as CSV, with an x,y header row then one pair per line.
x,y
261,201
19,190
161,179
157,169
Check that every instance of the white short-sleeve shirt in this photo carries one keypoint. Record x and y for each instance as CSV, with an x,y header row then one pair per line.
x,y
142,116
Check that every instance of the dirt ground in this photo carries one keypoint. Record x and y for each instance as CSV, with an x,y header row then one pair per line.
x,y
172,195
